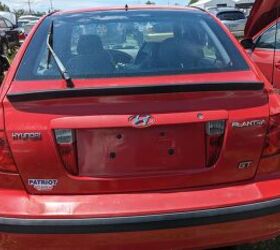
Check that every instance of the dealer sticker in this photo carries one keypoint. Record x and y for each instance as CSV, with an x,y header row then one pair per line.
x,y
43,184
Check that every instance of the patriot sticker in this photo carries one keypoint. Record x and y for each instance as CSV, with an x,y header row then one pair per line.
x,y
42,184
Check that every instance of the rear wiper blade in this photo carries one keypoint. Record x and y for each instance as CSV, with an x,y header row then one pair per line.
x,y
63,71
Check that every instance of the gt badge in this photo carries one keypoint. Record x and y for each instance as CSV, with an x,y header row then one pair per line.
x,y
43,184
245,164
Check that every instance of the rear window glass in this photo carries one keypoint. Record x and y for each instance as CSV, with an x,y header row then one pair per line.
x,y
231,16
132,43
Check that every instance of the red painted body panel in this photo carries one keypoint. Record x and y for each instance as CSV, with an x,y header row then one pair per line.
x,y
264,59
221,185
19,204
42,115
114,113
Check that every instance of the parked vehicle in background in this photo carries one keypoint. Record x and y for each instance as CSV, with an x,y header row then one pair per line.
x,y
29,17
28,27
9,36
20,29
10,16
155,137
234,19
25,24
262,38
24,27
22,22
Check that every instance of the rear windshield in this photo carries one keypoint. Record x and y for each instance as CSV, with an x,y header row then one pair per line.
x,y
130,43
231,16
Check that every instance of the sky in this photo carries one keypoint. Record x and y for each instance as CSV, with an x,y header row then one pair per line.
x,y
44,5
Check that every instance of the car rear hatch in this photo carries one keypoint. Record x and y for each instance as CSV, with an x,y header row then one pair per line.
x,y
261,15
136,134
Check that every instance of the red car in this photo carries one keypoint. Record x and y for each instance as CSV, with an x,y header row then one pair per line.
x,y
137,128
263,38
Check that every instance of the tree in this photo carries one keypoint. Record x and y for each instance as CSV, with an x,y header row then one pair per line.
x,y
19,12
39,13
4,7
192,1
150,2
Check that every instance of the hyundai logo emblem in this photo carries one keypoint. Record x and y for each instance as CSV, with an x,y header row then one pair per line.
x,y
141,121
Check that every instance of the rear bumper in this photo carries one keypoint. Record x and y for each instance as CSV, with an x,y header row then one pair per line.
x,y
196,237
222,216
140,223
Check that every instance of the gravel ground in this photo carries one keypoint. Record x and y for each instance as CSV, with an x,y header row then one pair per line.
x,y
266,245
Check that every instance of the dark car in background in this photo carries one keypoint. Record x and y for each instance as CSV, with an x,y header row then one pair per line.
x,y
233,18
9,36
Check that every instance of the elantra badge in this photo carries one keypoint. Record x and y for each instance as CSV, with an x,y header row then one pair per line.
x,y
43,184
141,121
246,124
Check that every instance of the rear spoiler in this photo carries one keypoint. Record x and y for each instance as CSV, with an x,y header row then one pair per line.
x,y
133,90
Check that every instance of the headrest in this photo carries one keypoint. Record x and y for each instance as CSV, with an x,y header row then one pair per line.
x,y
89,44
177,52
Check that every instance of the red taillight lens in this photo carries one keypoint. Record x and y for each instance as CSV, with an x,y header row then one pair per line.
x,y
272,140
66,143
214,140
7,163
21,36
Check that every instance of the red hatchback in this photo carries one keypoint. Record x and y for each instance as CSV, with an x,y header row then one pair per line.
x,y
137,128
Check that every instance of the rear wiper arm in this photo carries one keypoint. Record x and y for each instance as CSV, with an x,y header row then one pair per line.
x,y
63,71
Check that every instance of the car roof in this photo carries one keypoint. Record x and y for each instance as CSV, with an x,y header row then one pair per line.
x,y
27,17
132,7
23,20
5,18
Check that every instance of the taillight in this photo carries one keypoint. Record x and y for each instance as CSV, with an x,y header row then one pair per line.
x,y
272,140
7,163
214,140
66,143
21,35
